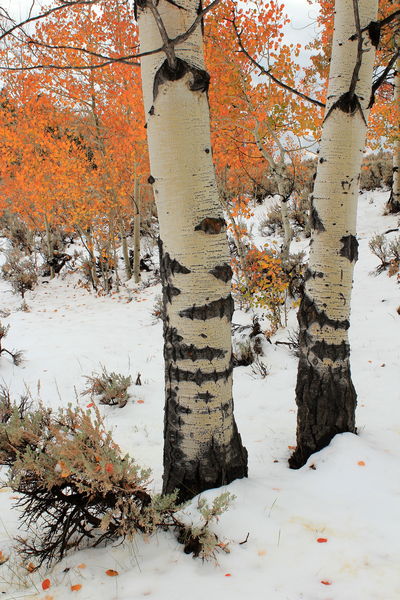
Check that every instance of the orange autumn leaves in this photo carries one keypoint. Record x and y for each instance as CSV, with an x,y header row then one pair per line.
x,y
61,131
75,587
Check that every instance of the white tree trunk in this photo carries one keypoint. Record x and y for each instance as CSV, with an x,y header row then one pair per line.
x,y
136,234
325,394
202,446
393,204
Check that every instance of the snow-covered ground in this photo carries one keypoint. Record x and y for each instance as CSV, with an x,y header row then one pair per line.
x,y
350,498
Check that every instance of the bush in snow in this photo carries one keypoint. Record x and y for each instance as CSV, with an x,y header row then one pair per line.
x,y
16,355
20,271
110,388
77,489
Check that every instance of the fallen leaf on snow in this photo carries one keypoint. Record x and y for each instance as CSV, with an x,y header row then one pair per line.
x,y
81,566
111,573
322,540
46,584
325,582
361,463
76,587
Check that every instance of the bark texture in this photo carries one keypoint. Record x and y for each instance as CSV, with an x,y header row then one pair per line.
x,y
393,204
325,394
203,448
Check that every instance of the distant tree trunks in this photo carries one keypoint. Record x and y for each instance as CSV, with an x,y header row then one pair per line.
x,y
393,204
203,448
325,394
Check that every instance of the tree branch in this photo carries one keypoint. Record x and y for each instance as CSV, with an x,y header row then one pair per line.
x,y
268,73
41,16
380,80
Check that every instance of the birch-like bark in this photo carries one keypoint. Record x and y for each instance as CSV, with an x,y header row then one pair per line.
x,y
393,204
136,233
203,448
325,394
125,249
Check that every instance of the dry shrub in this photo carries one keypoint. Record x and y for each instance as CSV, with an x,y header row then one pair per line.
x,y
110,388
16,355
77,489
20,271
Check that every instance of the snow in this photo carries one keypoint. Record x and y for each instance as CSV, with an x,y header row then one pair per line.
x,y
348,494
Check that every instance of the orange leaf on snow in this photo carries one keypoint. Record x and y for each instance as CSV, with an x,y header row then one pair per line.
x,y
325,582
30,567
90,405
3,558
292,447
46,584
76,587
139,401
228,575
111,573
361,463
322,540
81,566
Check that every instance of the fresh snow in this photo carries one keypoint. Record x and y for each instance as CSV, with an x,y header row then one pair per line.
x,y
348,494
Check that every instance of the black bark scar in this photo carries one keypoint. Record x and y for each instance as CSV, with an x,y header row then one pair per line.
x,y
179,351
223,307
198,377
316,222
350,248
222,272
309,314
211,226
200,83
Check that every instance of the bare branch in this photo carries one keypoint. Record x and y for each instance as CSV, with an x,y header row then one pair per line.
x,y
268,73
357,66
42,15
382,77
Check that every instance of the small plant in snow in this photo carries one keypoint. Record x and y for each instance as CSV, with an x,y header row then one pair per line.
x,y
259,369
200,540
111,388
387,252
16,355
20,271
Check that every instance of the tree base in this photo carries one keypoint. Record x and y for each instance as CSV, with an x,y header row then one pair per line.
x,y
215,467
326,401
392,206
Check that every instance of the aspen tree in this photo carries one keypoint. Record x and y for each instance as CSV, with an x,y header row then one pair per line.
x,y
393,204
325,394
203,448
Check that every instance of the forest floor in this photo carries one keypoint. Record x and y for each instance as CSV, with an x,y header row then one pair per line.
x,y
350,497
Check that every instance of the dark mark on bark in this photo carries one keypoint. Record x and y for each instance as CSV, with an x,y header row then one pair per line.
x,y
316,222
222,272
349,248
205,397
309,314
151,111
322,160
200,83
179,351
374,32
211,226
309,274
170,291
151,179
223,307
334,352
198,377
348,103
